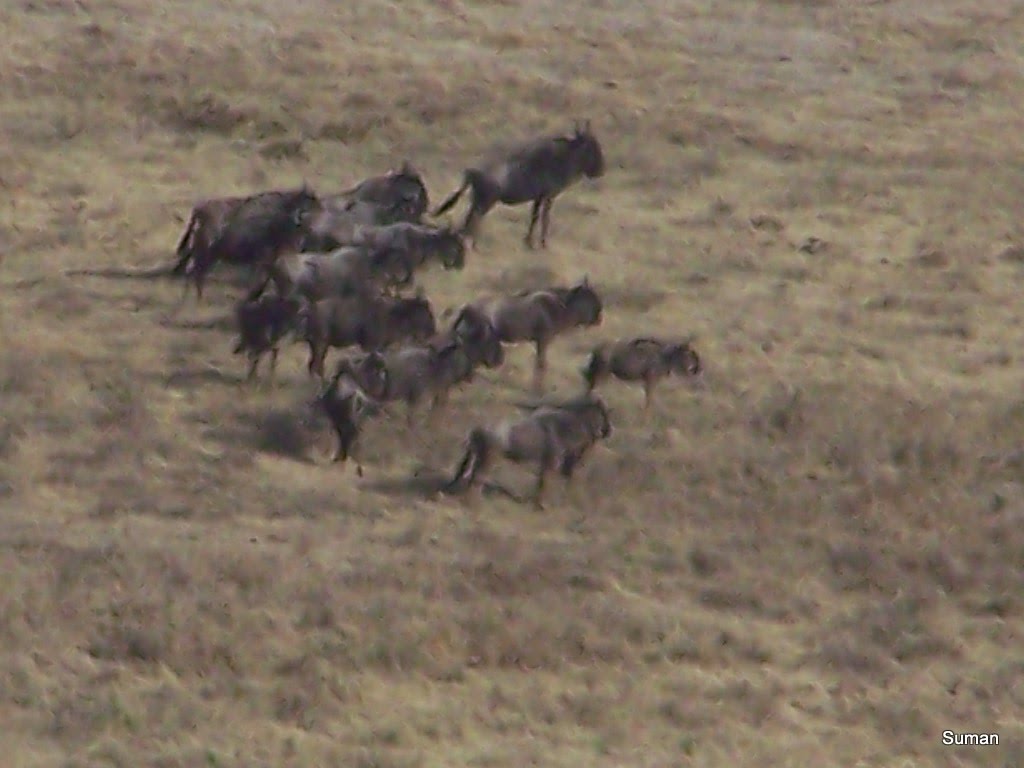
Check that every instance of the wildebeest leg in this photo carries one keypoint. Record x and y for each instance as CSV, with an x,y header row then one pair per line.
x,y
410,411
534,213
317,353
648,392
273,363
542,472
254,361
545,220
540,361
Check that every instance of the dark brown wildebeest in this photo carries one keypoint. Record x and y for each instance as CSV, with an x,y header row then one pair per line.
x,y
346,406
554,437
262,323
541,315
209,218
412,372
536,171
255,236
641,359
372,323
420,242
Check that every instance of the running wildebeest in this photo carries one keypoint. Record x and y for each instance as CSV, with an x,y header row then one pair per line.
x,y
536,171
372,323
400,193
209,218
255,236
554,437
205,223
541,315
641,359
349,271
421,242
394,197
412,372
346,406
262,323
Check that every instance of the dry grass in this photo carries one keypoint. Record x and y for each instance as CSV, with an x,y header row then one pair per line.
x,y
816,560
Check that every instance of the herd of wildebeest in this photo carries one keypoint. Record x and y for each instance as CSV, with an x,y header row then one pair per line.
x,y
333,271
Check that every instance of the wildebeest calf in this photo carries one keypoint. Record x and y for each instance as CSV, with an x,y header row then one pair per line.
x,y
553,437
373,323
539,316
536,171
262,323
643,359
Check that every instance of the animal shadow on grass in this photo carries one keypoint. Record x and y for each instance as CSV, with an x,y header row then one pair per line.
x,y
222,323
431,484
192,378
282,432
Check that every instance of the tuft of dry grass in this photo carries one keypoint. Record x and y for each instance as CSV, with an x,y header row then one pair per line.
x,y
815,559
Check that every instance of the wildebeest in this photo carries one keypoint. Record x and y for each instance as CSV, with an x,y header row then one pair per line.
x,y
262,323
394,197
412,372
349,271
346,406
536,171
541,315
554,437
372,323
400,195
419,242
255,235
643,359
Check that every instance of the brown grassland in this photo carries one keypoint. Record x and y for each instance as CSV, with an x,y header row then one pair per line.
x,y
817,559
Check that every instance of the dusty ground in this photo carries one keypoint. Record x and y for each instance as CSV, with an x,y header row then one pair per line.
x,y
814,561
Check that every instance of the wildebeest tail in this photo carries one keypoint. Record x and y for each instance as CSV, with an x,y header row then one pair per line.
x,y
476,456
453,198
184,249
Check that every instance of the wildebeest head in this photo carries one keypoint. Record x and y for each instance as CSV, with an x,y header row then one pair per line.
x,y
451,247
586,150
303,203
370,373
594,413
682,358
582,303
476,332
